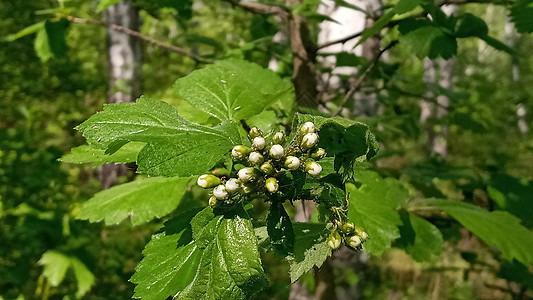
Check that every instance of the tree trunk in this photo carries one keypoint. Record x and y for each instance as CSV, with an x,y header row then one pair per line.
x,y
125,69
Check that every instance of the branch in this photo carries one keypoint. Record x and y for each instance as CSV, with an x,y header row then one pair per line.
x,y
463,2
139,35
357,83
343,40
259,8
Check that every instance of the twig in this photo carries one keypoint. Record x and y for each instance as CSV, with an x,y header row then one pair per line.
x,y
139,35
343,40
357,83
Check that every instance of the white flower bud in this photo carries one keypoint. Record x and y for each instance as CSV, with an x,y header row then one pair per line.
x,y
272,185
246,174
220,192
276,151
256,158
292,163
309,140
233,185
240,151
364,236
334,240
318,153
307,127
313,168
255,132
279,138
213,201
258,143
208,181
353,241
267,168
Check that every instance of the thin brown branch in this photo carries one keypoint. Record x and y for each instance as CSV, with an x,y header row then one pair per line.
x,y
139,35
342,40
259,8
357,83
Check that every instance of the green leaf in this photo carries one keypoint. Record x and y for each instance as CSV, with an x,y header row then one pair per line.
x,y
419,238
498,45
41,45
175,146
427,39
497,228
26,31
376,28
373,205
404,6
472,26
56,265
310,248
230,266
87,154
521,13
514,195
103,4
57,31
516,272
142,200
279,227
231,89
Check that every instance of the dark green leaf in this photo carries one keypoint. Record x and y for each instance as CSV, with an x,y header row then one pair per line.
x,y
472,26
404,6
514,195
427,40
419,238
57,31
279,227
521,13
377,27
516,272
103,4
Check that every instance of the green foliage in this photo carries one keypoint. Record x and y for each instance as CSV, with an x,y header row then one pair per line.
x,y
103,4
141,200
419,238
521,12
373,205
513,195
425,38
229,89
56,265
87,154
175,146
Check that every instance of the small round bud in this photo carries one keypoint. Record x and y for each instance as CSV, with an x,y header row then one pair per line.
x,y
353,241
309,140
307,127
334,240
233,185
313,168
256,158
318,153
246,188
258,143
279,138
364,236
267,168
276,151
240,151
246,174
358,230
255,132
272,185
213,201
348,228
208,181
292,163
220,192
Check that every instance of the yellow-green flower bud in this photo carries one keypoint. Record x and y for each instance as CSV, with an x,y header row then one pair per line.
x,y
334,240
208,181
220,192
307,127
258,143
313,168
292,163
233,185
213,201
318,153
360,232
246,174
240,151
309,140
276,151
255,132
272,185
267,168
279,138
256,158
348,228
353,241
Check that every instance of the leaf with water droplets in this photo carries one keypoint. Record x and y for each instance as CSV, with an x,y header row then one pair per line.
x,y
174,145
232,89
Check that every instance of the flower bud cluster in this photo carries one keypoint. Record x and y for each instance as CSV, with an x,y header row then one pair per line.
x,y
353,236
264,163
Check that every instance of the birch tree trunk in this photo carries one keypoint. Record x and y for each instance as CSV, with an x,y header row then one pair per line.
x,y
125,69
